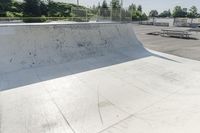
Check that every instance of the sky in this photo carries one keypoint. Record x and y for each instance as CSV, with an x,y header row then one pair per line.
x,y
147,5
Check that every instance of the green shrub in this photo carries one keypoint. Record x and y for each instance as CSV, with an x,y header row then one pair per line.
x,y
34,19
9,14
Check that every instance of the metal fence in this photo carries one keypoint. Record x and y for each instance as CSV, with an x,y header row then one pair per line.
x,y
101,14
79,15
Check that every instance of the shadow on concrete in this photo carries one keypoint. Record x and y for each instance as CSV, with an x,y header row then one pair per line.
x,y
12,80
185,38
157,33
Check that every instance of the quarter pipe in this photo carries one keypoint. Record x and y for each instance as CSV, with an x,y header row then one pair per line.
x,y
93,78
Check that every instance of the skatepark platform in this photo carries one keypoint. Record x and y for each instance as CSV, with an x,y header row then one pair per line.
x,y
93,78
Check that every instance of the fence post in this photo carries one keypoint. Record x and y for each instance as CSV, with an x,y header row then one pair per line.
x,y
111,12
120,14
72,13
86,15
132,14
98,14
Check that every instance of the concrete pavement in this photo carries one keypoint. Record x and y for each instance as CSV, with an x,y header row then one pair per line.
x,y
123,90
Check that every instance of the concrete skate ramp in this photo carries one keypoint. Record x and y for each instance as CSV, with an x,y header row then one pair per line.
x,y
93,78
25,46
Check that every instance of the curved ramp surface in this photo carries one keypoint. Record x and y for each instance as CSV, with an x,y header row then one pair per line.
x,y
93,78
26,46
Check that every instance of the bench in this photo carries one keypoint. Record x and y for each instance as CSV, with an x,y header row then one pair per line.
x,y
175,33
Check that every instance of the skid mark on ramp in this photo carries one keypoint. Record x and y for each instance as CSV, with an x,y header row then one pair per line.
x,y
60,111
130,116
99,110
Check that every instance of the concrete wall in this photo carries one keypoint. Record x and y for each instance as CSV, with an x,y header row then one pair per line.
x,y
178,21
170,21
25,46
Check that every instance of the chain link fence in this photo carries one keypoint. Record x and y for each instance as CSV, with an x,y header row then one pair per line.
x,y
111,14
100,15
80,15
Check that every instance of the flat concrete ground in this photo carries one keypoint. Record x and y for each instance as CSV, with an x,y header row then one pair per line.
x,y
175,46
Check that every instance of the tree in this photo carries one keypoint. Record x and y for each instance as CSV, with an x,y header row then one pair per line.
x,y
115,11
32,8
153,13
139,8
165,14
115,4
17,6
104,4
135,16
132,7
144,16
179,12
169,13
44,8
58,9
104,9
193,12
5,4
136,12
198,15
99,5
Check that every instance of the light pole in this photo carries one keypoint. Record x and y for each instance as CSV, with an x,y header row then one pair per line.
x,y
77,2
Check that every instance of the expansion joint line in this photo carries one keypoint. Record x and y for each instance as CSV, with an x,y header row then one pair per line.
x,y
145,108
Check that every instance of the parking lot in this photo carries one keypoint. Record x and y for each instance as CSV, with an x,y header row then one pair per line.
x,y
188,48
